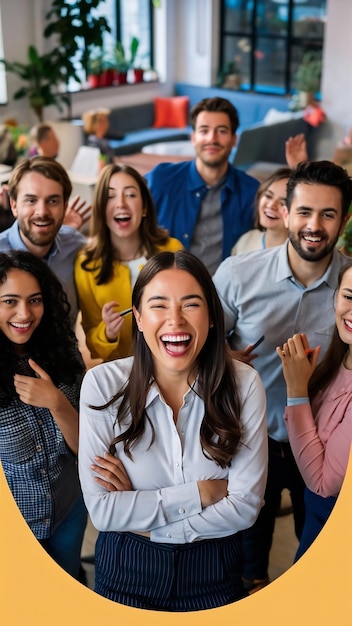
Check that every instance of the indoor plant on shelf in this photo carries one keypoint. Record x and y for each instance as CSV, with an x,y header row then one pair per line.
x,y
122,62
307,78
95,69
77,30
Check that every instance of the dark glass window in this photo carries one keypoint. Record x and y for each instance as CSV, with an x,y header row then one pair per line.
x,y
263,41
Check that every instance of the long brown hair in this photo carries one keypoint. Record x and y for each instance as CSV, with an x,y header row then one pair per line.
x,y
221,430
100,247
326,371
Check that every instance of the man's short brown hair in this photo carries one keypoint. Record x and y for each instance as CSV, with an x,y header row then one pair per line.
x,y
216,105
45,166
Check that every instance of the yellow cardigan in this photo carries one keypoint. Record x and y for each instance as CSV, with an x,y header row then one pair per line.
x,y
92,297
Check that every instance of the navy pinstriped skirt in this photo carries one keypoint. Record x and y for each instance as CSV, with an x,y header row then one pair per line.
x,y
135,571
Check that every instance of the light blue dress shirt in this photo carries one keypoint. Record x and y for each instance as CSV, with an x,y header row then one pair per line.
x,y
60,259
260,296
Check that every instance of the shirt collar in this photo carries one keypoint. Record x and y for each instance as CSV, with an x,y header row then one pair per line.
x,y
17,243
195,181
154,393
284,270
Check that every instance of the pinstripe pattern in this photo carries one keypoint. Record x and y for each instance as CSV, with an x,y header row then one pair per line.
x,y
134,571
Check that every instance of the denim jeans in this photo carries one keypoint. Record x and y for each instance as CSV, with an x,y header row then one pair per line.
x,y
318,510
65,544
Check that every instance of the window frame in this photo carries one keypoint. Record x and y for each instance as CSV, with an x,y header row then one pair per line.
x,y
253,35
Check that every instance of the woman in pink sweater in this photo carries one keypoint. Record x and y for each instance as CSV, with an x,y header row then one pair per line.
x,y
318,414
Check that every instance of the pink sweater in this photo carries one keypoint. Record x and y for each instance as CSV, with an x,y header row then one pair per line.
x,y
321,445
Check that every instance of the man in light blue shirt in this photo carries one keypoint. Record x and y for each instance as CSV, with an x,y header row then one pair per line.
x,y
39,190
279,292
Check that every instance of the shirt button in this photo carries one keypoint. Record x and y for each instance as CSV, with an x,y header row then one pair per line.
x,y
38,448
168,535
181,511
47,521
177,464
43,472
185,236
40,422
198,194
48,496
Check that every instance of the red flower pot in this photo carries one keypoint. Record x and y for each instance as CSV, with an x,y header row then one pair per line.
x,y
94,80
107,77
138,75
121,78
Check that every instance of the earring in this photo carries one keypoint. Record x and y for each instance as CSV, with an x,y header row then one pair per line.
x,y
211,325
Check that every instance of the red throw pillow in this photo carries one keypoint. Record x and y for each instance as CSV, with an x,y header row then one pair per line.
x,y
171,112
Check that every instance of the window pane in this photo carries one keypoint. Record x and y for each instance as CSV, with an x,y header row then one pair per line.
x,y
135,22
237,58
309,19
270,63
272,17
238,15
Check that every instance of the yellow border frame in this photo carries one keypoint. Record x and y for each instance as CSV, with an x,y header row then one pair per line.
x,y
316,590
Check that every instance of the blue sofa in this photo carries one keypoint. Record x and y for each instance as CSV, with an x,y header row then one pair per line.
x,y
131,127
251,107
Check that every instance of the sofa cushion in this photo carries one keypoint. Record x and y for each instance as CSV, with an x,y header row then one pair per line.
x,y
134,142
171,112
128,119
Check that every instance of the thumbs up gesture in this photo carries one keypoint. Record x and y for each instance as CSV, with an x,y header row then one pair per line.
x,y
40,391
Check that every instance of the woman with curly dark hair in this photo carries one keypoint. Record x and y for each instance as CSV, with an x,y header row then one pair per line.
x,y
41,371
124,234
173,449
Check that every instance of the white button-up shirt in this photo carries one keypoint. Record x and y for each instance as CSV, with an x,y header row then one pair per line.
x,y
165,499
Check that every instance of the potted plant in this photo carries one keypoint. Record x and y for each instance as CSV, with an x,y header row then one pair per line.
x,y
123,62
78,31
95,67
230,75
42,75
307,77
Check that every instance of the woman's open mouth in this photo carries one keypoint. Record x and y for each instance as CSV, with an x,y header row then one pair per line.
x,y
176,344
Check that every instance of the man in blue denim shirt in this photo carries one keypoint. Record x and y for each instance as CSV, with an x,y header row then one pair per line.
x,y
206,203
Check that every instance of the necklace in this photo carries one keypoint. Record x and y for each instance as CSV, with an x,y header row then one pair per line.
x,y
136,255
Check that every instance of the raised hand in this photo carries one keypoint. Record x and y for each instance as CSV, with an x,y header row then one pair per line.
x,y
296,150
113,320
77,213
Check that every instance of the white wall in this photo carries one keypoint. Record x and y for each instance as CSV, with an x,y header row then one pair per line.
x,y
337,73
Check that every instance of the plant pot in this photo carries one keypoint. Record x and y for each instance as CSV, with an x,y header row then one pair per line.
x,y
107,77
94,80
138,75
305,98
121,78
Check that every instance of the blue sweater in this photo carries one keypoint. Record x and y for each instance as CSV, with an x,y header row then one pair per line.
x,y
178,191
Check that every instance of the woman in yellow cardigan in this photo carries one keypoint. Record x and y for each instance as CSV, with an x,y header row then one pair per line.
x,y
123,235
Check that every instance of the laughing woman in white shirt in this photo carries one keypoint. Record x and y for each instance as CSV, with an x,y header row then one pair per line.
x,y
173,452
